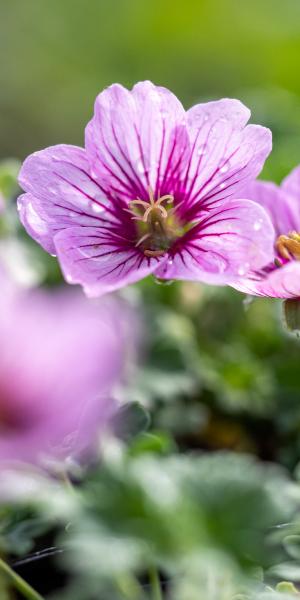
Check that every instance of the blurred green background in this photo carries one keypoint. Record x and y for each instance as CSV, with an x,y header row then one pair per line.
x,y
56,56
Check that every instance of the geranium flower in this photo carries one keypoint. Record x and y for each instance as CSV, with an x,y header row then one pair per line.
x,y
281,277
156,190
60,356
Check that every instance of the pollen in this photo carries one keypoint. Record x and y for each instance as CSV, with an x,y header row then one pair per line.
x,y
288,247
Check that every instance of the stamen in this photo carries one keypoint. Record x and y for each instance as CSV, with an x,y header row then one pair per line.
x,y
156,223
143,239
138,201
150,206
288,246
168,197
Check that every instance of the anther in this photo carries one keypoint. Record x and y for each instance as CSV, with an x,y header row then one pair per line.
x,y
288,246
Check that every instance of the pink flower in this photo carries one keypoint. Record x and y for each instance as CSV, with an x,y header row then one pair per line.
x,y
60,355
281,277
156,190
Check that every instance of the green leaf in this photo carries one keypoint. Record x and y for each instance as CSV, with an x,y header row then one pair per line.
x,y
287,587
8,178
153,443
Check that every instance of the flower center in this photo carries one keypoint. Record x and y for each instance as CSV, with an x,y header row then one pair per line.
x,y
288,247
156,223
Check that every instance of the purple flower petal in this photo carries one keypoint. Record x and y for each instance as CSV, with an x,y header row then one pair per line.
x,y
225,154
230,241
283,282
291,187
61,193
60,357
137,140
282,204
282,207
291,183
100,261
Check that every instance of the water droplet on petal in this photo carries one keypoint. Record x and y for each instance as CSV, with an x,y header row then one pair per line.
x,y
96,207
202,150
163,281
243,269
224,168
222,185
140,167
170,261
258,225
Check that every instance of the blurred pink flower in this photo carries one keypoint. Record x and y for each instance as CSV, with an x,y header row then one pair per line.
x,y
60,356
281,277
156,190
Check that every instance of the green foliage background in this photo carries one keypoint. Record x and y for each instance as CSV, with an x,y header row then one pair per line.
x,y
58,55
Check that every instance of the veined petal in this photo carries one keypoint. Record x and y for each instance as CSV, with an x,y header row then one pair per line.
x,y
291,187
100,260
225,155
230,241
137,139
60,193
291,183
283,282
36,226
282,207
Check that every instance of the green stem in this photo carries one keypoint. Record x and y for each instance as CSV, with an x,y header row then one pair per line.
x,y
129,587
20,584
155,584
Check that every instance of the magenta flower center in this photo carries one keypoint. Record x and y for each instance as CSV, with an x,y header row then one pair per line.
x,y
156,223
288,247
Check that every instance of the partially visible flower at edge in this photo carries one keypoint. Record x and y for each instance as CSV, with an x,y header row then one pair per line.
x,y
61,354
281,277
157,189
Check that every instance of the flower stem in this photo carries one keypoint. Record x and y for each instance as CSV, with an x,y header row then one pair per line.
x,y
129,587
155,584
19,583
